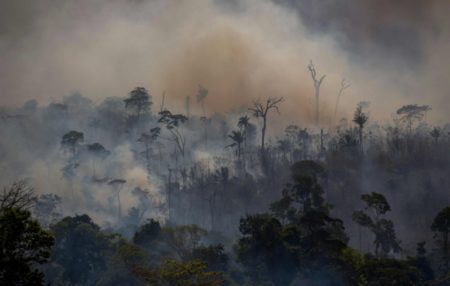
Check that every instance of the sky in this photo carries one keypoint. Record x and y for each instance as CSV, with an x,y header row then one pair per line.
x,y
391,52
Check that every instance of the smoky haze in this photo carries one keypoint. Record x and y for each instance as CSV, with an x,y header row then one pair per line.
x,y
239,50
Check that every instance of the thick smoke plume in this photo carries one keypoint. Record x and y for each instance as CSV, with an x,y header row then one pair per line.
x,y
239,50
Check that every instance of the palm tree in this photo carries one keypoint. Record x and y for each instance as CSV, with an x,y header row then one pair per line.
x,y
237,138
243,122
360,118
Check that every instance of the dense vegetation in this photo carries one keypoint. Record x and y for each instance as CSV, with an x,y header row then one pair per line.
x,y
130,194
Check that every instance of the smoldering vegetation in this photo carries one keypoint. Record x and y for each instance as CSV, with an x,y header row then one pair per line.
x,y
129,165
224,143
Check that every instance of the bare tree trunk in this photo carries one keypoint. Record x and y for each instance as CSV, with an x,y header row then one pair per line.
x,y
263,134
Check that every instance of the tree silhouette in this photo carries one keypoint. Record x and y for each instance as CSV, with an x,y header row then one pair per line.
x,y
385,237
148,139
261,110
360,118
172,123
117,185
202,93
411,113
71,141
344,86
97,151
138,102
238,139
24,245
317,84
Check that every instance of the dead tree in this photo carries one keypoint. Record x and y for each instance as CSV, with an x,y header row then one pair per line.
x,y
344,86
261,110
17,195
117,185
317,84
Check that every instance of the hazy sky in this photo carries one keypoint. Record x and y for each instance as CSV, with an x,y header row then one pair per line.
x,y
391,52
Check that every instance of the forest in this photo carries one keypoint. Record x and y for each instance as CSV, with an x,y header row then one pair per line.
x,y
224,143
139,195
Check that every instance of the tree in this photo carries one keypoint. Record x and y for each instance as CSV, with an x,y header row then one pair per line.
x,y
172,123
317,84
71,141
221,177
80,249
147,233
24,245
411,113
238,139
18,195
97,151
360,118
264,250
182,240
244,125
148,139
435,134
383,229
213,255
46,209
391,272
117,185
138,102
344,86
261,110
174,273
202,93
441,228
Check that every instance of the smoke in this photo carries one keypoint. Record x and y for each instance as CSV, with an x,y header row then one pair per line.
x,y
239,50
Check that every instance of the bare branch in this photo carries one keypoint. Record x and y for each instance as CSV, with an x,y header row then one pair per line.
x,y
18,195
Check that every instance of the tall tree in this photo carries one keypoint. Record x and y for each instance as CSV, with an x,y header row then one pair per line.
x,y
148,139
80,249
360,118
138,102
411,113
173,123
238,139
202,93
383,229
261,110
117,185
23,243
71,141
344,86
317,84
97,151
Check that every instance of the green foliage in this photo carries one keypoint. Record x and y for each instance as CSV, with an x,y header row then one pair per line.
x,y
147,233
182,240
24,245
173,273
121,266
214,256
264,250
441,228
80,248
391,272
383,229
